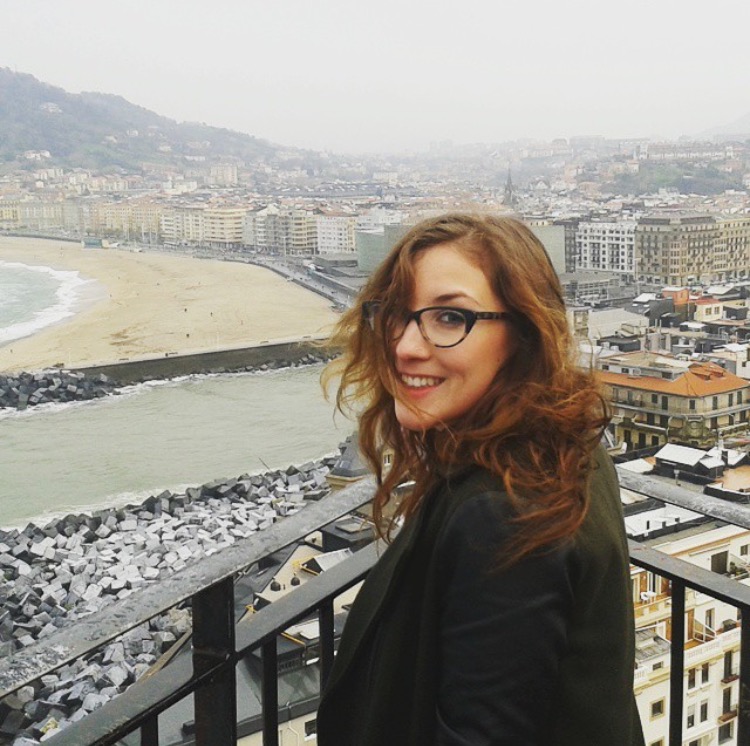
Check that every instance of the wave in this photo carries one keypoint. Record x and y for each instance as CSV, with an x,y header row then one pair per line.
x,y
70,297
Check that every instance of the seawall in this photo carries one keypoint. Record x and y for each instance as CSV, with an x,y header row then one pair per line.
x,y
272,354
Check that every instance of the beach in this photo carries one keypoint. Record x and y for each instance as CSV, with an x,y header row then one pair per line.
x,y
149,304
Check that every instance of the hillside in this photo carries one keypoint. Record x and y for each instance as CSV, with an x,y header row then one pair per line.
x,y
739,129
97,130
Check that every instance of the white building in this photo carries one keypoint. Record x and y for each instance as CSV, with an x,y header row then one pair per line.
x,y
712,632
336,233
606,246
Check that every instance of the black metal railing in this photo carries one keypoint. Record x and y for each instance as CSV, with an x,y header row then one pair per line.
x,y
219,644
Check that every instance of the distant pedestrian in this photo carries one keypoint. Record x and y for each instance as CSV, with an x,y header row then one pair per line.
x,y
501,612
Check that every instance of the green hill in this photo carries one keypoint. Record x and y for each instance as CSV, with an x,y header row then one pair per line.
x,y
97,130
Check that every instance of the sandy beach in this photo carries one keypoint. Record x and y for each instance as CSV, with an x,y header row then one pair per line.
x,y
149,304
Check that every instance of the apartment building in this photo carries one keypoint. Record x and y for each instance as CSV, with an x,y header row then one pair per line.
x,y
657,398
712,628
40,215
283,230
183,225
299,232
732,249
132,220
607,246
336,233
223,174
676,249
10,216
224,226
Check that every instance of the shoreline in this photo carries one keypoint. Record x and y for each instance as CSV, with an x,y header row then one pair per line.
x,y
73,295
154,304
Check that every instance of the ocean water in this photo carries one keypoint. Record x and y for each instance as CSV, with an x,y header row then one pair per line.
x,y
56,459
33,297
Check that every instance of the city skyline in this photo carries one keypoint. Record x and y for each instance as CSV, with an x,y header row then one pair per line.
x,y
346,78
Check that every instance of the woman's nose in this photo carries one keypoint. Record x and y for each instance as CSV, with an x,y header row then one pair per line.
x,y
411,343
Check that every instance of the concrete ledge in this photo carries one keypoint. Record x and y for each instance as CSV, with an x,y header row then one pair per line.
x,y
216,361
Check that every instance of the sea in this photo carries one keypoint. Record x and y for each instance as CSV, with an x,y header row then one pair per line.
x,y
61,458
34,297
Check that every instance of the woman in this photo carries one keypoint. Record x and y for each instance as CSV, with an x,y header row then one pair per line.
x,y
501,611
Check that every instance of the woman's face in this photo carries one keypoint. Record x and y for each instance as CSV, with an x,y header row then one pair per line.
x,y
441,384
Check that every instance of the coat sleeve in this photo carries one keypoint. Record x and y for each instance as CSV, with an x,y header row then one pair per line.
x,y
501,633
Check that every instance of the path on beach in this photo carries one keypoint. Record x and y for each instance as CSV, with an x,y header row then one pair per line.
x,y
151,304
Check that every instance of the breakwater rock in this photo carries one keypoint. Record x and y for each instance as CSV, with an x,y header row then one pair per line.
x,y
29,389
52,575
23,390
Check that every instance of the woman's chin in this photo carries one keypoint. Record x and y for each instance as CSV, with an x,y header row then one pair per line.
x,y
411,420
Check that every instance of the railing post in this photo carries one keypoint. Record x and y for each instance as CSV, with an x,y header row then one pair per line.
x,y
743,720
213,645
150,732
677,663
270,694
325,621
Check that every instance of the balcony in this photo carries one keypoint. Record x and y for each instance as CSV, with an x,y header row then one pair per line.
x,y
221,647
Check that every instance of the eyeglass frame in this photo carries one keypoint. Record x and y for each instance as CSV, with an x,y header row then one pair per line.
x,y
370,308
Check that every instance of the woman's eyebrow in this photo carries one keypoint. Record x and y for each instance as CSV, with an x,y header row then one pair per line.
x,y
448,297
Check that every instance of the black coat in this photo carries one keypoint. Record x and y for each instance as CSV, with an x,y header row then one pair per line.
x,y
440,649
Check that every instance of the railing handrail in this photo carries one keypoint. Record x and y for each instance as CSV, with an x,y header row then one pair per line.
x,y
714,507
142,702
95,630
154,694
92,631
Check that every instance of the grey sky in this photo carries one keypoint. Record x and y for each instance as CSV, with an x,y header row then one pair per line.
x,y
350,75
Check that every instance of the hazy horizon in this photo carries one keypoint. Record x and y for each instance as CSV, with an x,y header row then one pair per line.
x,y
390,78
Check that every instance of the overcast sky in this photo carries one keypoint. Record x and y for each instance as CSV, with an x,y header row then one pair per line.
x,y
351,75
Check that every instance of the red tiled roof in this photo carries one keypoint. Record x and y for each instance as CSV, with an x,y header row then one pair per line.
x,y
700,379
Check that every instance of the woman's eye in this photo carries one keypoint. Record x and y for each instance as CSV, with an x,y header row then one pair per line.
x,y
448,317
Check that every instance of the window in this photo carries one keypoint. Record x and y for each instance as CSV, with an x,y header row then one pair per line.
x,y
743,550
709,618
719,562
690,716
726,700
715,402
665,402
692,405
728,668
704,711
726,732
691,678
657,708
311,728
705,673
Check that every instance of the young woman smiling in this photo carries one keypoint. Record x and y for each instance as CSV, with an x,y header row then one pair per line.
x,y
501,611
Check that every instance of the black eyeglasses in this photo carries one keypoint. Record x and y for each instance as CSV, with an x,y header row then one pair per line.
x,y
441,326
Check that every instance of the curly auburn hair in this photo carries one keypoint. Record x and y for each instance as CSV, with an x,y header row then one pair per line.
x,y
536,426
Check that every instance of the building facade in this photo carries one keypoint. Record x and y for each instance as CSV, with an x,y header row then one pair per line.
x,y
608,247
658,399
676,249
